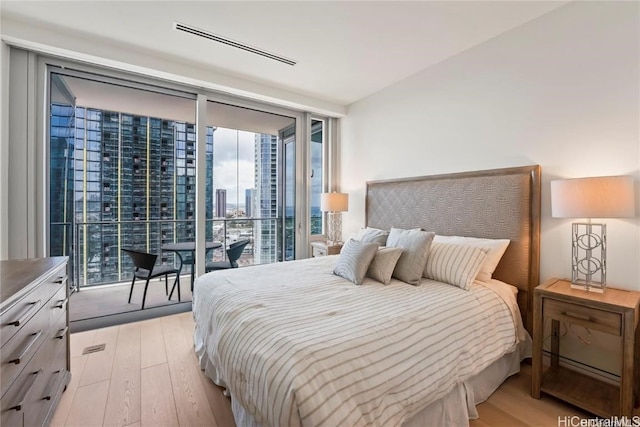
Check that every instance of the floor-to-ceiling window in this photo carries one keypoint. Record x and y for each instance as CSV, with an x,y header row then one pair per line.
x,y
122,165
317,182
132,173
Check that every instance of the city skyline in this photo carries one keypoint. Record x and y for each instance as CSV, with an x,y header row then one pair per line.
x,y
130,171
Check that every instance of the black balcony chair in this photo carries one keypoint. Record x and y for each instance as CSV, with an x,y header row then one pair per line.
x,y
147,270
233,255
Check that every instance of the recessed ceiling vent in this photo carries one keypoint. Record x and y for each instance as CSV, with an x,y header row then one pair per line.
x,y
216,38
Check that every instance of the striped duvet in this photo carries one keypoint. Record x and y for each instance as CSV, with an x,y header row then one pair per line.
x,y
298,346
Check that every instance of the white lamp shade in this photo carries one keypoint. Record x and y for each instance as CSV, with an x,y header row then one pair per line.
x,y
595,197
334,202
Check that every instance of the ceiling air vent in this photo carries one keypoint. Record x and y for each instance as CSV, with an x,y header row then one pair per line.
x,y
216,38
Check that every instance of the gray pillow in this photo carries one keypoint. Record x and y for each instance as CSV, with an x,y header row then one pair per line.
x,y
415,246
383,264
374,235
354,260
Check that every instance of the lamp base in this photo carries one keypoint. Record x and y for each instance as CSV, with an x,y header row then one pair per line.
x,y
588,288
334,232
589,269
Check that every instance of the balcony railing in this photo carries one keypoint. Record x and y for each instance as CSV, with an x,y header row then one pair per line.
x,y
97,259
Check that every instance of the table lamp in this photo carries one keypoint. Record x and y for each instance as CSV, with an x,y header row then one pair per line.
x,y
594,197
334,204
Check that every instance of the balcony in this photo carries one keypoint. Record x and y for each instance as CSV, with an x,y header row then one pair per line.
x,y
101,273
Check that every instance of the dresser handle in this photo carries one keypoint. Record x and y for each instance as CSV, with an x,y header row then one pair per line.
x,y
62,302
62,333
49,395
59,280
34,307
579,316
20,404
25,350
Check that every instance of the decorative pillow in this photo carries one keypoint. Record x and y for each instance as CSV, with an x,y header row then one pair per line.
x,y
374,235
354,260
454,264
415,246
495,249
383,264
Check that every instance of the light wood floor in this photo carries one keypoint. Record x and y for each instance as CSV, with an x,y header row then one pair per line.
x,y
148,375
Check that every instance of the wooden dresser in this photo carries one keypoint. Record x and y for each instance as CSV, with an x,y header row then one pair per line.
x,y
34,331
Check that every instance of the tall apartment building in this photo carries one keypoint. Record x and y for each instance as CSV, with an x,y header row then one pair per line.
x,y
129,172
266,198
221,203
248,202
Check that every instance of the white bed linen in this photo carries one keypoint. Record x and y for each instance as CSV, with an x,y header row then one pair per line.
x,y
297,345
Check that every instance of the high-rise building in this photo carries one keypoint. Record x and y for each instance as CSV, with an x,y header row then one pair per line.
x,y
266,198
248,202
134,186
221,203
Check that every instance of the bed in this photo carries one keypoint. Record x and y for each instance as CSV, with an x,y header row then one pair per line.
x,y
294,344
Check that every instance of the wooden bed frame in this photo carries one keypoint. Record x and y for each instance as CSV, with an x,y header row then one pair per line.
x,y
498,204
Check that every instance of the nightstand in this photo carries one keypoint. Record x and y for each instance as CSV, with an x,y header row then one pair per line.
x,y
614,312
324,249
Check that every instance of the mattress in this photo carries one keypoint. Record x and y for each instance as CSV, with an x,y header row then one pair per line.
x,y
296,345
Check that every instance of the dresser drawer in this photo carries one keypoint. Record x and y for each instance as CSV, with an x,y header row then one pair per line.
x,y
58,334
18,315
14,317
587,317
45,395
20,349
19,399
54,282
37,387
57,305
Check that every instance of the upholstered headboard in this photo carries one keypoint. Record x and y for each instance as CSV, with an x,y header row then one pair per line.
x,y
499,203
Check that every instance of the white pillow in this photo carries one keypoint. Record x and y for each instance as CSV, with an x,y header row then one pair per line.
x,y
495,249
371,234
415,246
383,264
454,264
354,260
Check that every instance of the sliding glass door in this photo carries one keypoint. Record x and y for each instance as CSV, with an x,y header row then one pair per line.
x,y
123,168
61,169
289,184
121,173
246,179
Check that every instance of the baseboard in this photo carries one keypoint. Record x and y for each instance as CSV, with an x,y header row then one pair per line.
x,y
128,317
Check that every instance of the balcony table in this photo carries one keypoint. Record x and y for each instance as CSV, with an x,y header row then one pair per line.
x,y
189,247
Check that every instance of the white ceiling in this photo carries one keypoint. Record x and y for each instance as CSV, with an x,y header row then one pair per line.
x,y
345,50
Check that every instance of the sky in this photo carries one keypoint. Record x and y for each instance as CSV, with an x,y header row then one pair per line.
x,y
233,162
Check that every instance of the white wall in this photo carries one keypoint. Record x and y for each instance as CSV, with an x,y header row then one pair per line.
x,y
562,91
22,207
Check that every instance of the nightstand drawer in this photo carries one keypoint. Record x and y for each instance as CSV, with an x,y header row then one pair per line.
x,y
587,317
316,251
